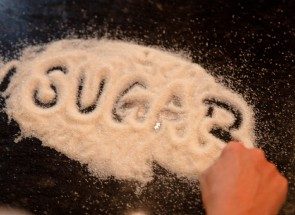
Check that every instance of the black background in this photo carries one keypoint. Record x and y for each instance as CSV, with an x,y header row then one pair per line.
x,y
247,45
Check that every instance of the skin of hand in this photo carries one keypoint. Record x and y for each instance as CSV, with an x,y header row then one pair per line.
x,y
242,182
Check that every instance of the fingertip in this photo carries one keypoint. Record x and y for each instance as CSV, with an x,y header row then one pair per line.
x,y
235,144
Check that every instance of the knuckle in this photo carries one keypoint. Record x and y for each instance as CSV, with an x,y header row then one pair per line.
x,y
284,182
259,153
283,185
271,167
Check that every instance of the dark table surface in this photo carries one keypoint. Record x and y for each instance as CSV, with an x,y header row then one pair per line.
x,y
248,45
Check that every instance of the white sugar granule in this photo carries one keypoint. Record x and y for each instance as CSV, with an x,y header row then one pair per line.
x,y
118,107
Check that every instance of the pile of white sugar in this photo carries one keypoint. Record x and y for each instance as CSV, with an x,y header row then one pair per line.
x,y
118,107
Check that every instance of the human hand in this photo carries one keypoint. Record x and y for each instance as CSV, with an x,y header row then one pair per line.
x,y
242,182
